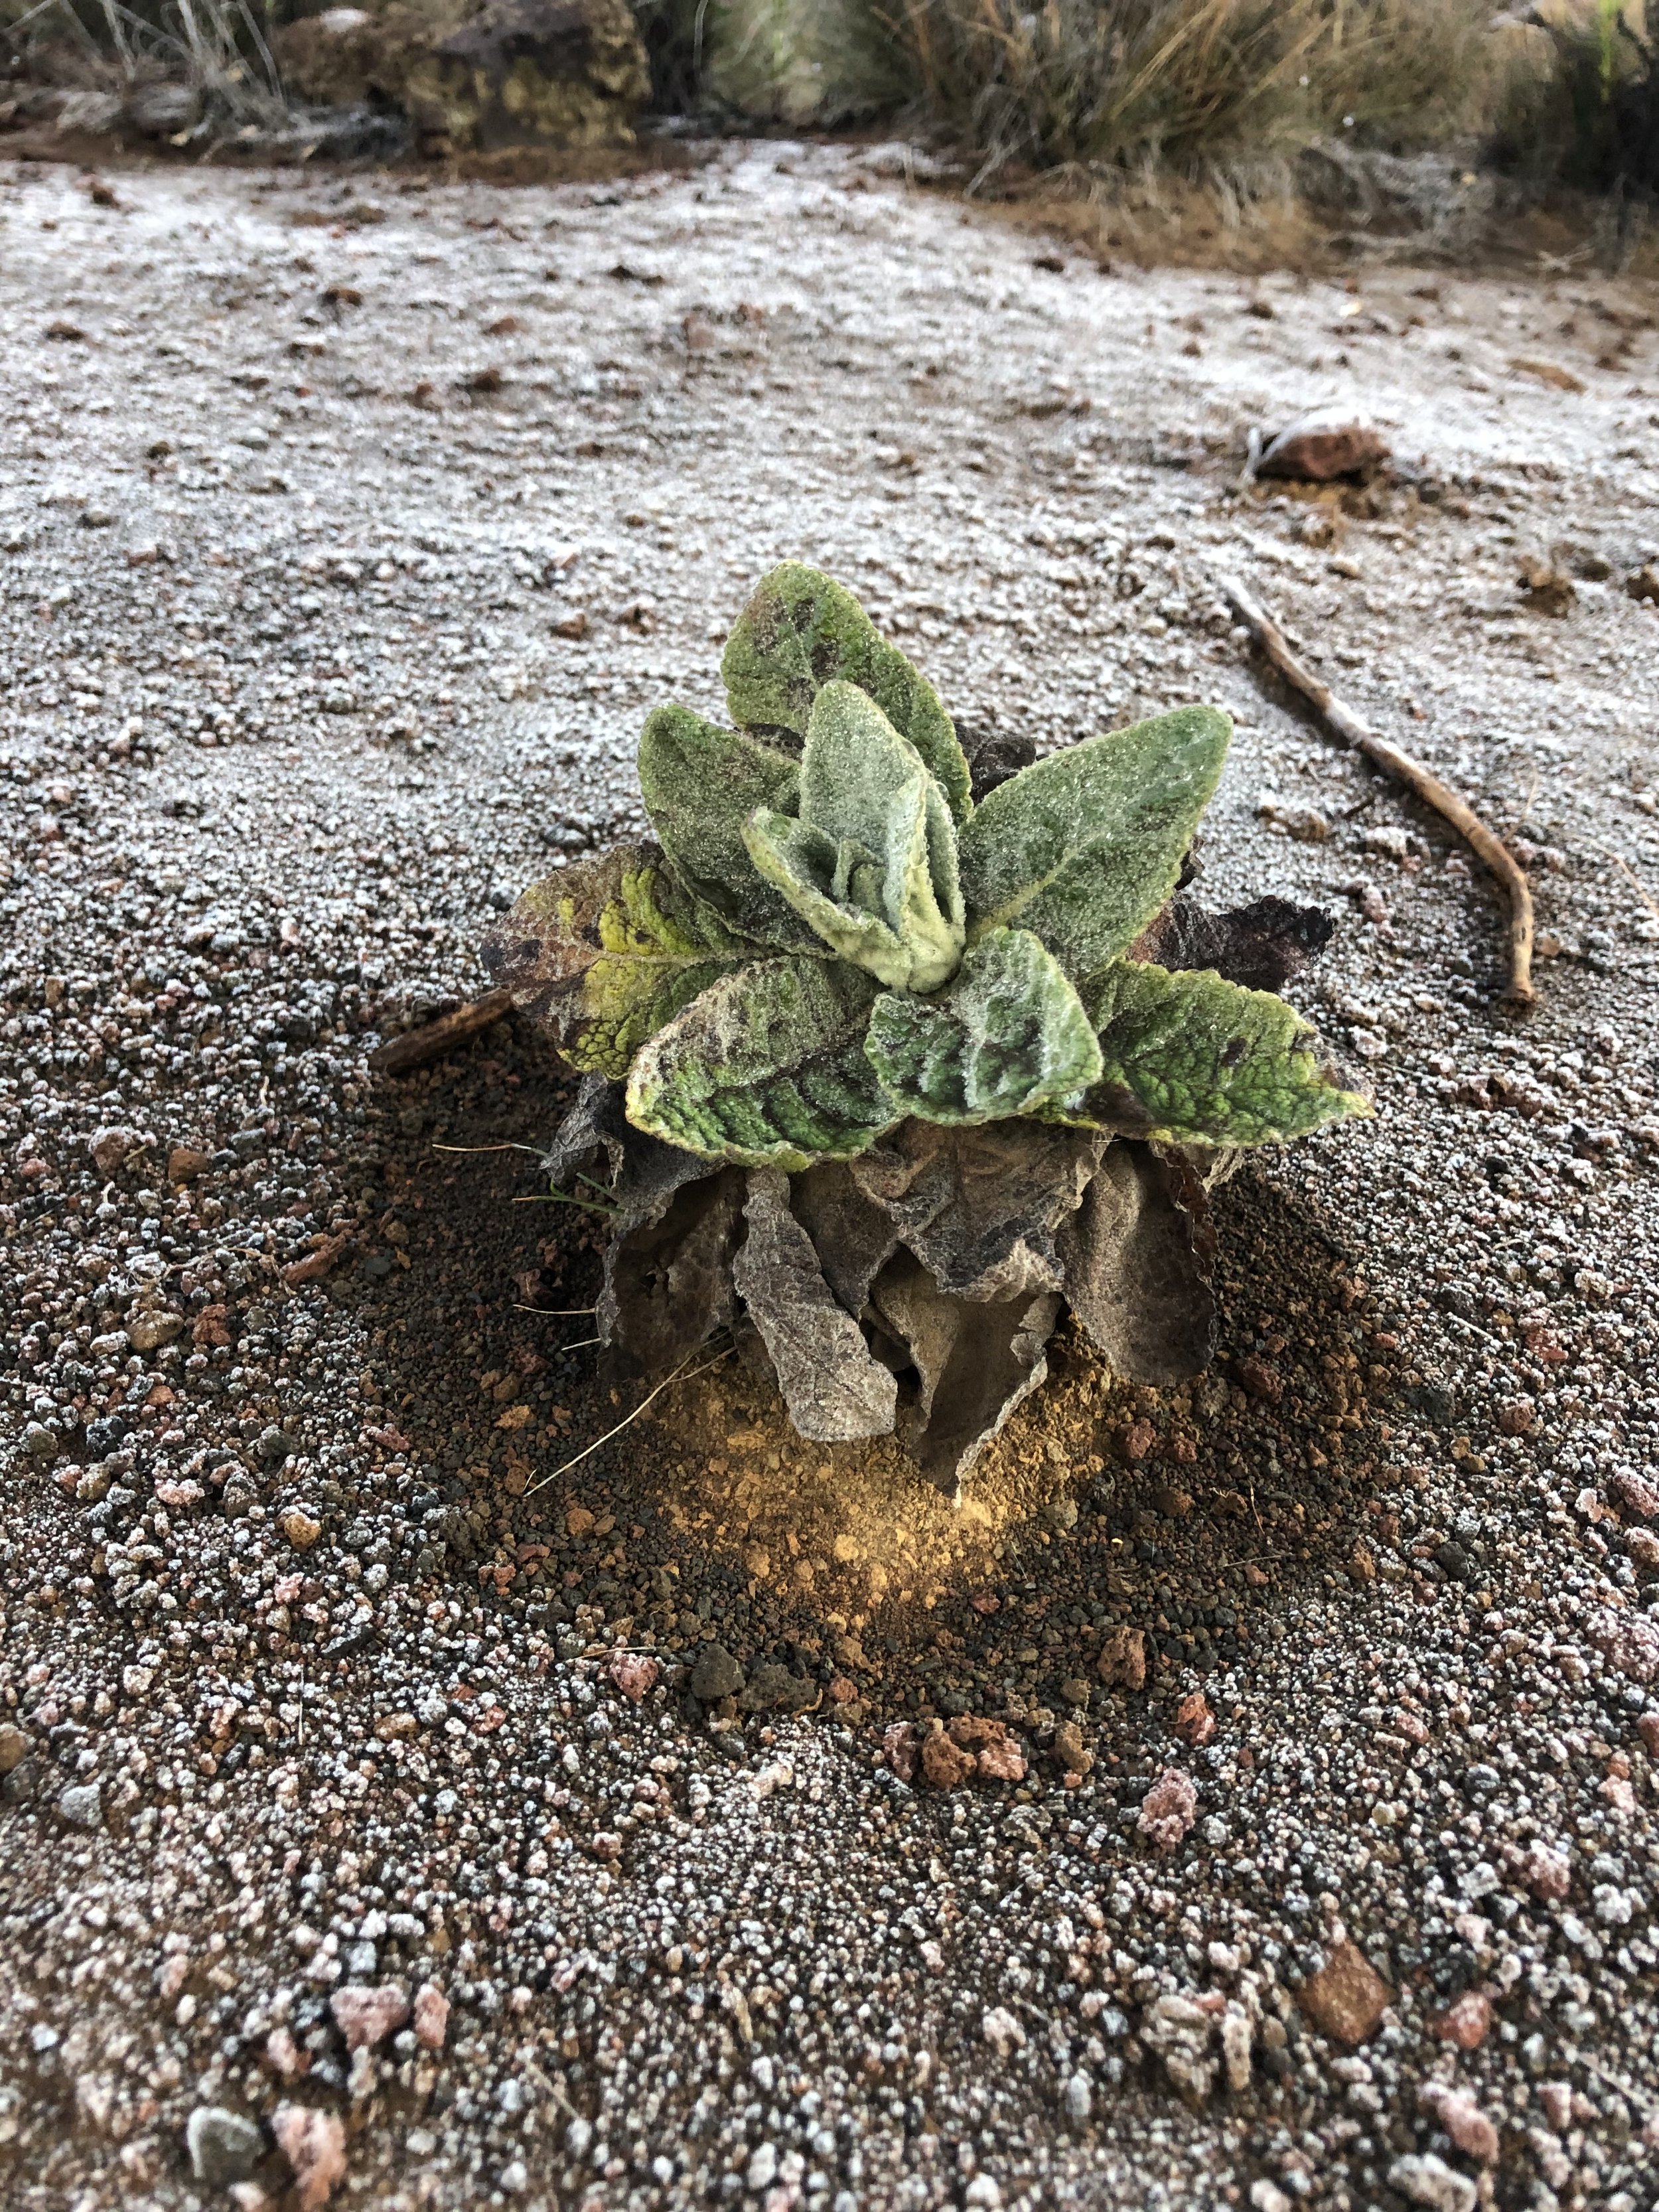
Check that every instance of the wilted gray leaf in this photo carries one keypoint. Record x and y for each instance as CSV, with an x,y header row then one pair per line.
x,y
853,1237
1138,1254
644,1172
668,1282
976,1363
833,1390
595,1120
995,757
979,1205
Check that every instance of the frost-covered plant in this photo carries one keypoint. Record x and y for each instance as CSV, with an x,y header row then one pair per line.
x,y
922,1024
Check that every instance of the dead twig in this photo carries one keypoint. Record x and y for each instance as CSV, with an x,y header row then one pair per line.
x,y
1633,880
1416,778
648,1400
417,1047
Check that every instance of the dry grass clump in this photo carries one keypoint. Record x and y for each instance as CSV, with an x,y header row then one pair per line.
x,y
216,51
1194,86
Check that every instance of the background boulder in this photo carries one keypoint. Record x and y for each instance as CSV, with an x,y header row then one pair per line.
x,y
566,73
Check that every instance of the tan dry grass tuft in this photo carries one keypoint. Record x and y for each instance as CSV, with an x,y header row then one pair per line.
x,y
1199,87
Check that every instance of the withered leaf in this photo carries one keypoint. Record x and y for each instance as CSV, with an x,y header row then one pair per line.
x,y
1137,1256
978,1206
833,1390
668,1282
1261,945
976,1363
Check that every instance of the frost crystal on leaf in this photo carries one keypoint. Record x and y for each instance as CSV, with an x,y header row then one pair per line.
x,y
1084,848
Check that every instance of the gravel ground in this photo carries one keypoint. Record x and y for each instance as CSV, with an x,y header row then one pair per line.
x,y
378,1822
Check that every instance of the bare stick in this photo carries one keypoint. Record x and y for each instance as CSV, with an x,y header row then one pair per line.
x,y
1416,778
417,1047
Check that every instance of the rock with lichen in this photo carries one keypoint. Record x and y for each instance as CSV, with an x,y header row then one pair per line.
x,y
568,73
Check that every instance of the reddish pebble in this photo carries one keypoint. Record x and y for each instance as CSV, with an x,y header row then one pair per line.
x,y
366,2017
1556,2098
1636,1492
1168,1809
946,1765
1545,1873
1466,2022
1648,1729
431,2016
994,1748
1122,1662
634,1673
1347,1998
1260,1380
1462,2119
314,2143
283,2055
900,1748
1515,1416
1194,1723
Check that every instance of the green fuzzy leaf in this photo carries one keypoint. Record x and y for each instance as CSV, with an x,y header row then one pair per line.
x,y
1084,848
801,631
871,863
700,783
605,952
1190,1059
1009,1035
766,1068
799,859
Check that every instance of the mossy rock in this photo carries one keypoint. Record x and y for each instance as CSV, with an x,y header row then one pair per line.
x,y
556,73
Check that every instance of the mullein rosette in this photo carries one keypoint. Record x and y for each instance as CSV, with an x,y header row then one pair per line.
x,y
890,1054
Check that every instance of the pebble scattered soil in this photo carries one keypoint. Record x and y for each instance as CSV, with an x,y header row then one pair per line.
x,y
1248,1796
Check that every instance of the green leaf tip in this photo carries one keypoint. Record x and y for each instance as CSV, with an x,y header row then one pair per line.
x,y
1009,1035
1192,1059
802,630
1084,848
700,784
870,864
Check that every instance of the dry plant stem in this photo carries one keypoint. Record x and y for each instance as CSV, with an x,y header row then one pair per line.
x,y
469,1149
1416,778
679,1374
417,1046
1633,880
